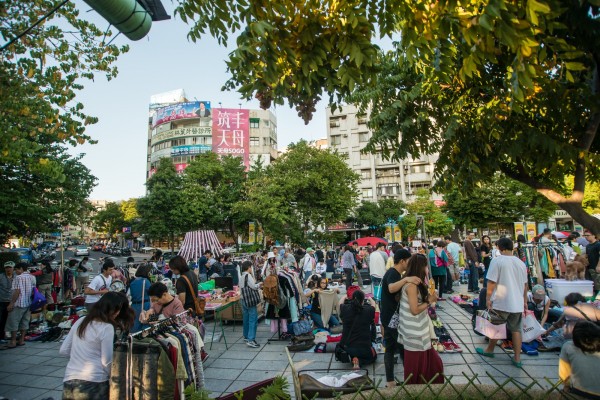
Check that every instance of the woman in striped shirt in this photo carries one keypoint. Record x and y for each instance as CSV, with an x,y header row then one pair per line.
x,y
421,361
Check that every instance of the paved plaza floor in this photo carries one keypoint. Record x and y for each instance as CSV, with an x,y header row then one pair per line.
x,y
35,371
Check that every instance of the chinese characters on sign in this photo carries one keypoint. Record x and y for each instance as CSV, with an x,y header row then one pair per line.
x,y
231,133
181,132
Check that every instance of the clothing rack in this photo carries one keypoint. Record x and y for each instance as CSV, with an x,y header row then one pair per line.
x,y
159,324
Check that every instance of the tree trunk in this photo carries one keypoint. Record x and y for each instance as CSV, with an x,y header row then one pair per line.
x,y
577,212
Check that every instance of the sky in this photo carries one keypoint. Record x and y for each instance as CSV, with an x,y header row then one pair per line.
x,y
162,61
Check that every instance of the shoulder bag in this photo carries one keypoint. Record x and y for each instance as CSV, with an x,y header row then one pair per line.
x,y
198,304
250,297
341,354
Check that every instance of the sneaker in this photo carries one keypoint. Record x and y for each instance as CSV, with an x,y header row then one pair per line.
x,y
246,340
252,343
507,346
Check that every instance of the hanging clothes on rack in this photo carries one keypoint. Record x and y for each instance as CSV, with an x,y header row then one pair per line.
x,y
159,361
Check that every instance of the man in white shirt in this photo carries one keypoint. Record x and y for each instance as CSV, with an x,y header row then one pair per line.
x,y
507,296
454,250
99,285
308,263
377,261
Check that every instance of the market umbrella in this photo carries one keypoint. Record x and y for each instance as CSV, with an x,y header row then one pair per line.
x,y
197,242
560,235
369,239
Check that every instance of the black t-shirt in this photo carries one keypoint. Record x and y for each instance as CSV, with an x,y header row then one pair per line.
x,y
388,300
593,252
319,255
358,328
182,287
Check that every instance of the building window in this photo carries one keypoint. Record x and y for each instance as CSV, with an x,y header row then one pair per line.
x,y
365,173
335,140
177,142
367,193
412,187
254,122
364,156
363,137
254,141
334,123
265,122
388,189
417,169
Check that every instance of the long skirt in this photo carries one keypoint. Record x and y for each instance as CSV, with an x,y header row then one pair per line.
x,y
422,366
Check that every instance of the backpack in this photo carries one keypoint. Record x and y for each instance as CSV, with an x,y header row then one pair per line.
x,y
271,289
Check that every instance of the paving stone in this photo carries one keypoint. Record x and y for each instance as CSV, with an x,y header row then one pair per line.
x,y
217,386
55,394
271,356
25,393
230,364
237,355
211,374
239,384
268,365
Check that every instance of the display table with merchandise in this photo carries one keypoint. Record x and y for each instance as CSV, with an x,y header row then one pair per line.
x,y
218,307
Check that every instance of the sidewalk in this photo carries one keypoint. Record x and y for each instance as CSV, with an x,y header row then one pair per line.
x,y
35,371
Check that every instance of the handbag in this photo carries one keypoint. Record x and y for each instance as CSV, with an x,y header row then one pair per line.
x,y
198,304
250,297
484,326
37,300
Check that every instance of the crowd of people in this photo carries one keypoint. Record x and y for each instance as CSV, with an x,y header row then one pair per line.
x,y
405,277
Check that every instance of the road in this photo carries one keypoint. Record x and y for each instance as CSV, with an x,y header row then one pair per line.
x,y
95,257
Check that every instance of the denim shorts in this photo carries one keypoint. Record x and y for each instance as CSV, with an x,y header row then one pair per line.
x,y
77,389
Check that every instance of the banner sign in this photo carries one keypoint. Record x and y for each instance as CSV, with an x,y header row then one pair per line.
x,y
180,167
188,150
191,109
531,230
252,232
388,233
231,133
519,228
181,132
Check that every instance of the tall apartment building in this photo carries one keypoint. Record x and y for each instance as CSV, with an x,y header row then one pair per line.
x,y
182,129
347,133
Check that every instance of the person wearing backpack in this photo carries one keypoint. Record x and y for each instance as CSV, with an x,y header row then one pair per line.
x,y
250,313
438,268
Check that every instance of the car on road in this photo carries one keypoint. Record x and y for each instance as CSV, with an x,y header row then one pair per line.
x,y
81,250
97,247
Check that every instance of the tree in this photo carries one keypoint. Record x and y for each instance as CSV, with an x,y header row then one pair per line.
x,y
436,221
375,215
161,214
498,200
492,86
130,210
110,220
212,186
304,189
40,74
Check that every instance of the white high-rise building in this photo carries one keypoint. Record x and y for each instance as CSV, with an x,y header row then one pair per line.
x,y
347,133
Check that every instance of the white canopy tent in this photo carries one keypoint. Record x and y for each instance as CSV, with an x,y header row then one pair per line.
x,y
197,242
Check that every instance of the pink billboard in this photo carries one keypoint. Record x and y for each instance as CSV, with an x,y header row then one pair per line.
x,y
231,131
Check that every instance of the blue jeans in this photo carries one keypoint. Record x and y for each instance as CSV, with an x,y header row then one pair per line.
x,y
307,275
250,318
333,321
473,277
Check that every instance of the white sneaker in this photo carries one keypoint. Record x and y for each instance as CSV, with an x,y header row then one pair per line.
x,y
252,343
246,340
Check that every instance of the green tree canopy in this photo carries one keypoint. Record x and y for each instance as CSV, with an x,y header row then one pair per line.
x,y
161,214
436,221
500,199
492,86
43,187
305,188
211,187
110,220
375,215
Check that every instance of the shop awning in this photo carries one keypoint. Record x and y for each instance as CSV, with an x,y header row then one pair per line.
x,y
197,242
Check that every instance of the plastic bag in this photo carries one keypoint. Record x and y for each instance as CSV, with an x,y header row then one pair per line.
x,y
486,328
531,327
208,285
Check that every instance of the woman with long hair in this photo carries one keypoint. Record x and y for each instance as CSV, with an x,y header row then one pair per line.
x,y
316,304
421,362
359,329
89,346
486,249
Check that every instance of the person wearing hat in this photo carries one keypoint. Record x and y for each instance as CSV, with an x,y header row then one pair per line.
x,y
308,263
269,265
19,314
6,279
539,303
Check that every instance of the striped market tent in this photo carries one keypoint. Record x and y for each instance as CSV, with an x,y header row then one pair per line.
x,y
197,242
